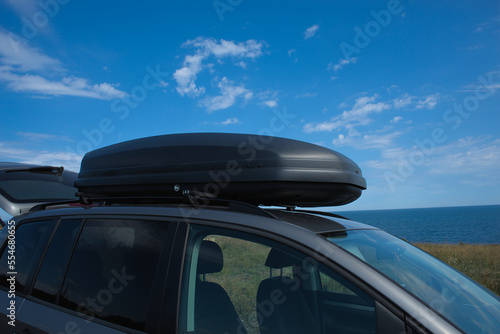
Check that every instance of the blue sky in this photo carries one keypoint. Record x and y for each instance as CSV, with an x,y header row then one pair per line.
x,y
407,89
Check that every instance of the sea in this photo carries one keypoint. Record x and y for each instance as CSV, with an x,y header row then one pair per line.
x,y
464,224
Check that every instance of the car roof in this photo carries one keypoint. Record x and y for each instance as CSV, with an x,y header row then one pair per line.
x,y
230,212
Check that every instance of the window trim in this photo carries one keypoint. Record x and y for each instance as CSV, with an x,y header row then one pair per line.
x,y
65,266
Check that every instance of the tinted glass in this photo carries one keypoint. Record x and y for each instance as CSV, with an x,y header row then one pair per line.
x,y
467,304
111,271
30,239
51,273
37,187
238,283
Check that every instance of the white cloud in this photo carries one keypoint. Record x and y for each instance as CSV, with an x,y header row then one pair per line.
x,y
68,86
306,95
271,103
229,94
472,160
363,142
230,121
311,31
396,119
186,76
241,64
39,137
223,48
392,88
341,63
206,47
357,116
470,155
403,101
18,61
428,102
17,152
16,55
70,161
490,83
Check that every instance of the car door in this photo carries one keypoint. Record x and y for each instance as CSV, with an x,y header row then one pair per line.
x,y
98,275
240,282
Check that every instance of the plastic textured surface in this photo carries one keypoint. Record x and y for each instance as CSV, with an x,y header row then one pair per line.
x,y
257,169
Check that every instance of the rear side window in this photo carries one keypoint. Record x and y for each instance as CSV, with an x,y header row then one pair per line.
x,y
111,271
54,264
30,240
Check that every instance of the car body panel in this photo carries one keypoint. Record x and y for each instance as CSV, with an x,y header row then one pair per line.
x,y
387,293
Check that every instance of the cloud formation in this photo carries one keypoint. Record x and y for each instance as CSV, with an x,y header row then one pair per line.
x,y
358,115
363,142
341,63
311,31
229,92
19,62
205,48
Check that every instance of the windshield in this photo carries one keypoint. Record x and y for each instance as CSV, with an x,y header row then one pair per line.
x,y
471,307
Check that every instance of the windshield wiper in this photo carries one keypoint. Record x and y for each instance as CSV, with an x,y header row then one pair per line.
x,y
52,170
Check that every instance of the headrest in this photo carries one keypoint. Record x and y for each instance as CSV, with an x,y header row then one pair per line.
x,y
277,259
209,258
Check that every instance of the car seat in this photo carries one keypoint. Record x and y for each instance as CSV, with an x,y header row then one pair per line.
x,y
214,311
281,305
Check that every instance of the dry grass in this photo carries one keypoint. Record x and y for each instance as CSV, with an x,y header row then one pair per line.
x,y
479,262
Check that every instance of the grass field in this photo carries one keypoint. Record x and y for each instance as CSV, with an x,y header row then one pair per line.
x,y
479,262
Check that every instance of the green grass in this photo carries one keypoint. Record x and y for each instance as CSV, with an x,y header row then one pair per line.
x,y
479,262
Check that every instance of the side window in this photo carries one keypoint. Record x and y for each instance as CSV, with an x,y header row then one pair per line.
x,y
111,271
240,283
54,264
30,240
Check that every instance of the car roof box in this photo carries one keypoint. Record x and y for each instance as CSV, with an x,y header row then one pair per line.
x,y
262,170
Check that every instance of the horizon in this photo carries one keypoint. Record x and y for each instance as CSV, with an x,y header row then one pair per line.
x,y
408,90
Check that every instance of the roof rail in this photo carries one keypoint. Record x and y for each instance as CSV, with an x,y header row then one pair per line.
x,y
189,200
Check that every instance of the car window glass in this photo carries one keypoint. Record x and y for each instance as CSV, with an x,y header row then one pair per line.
x,y
30,239
111,271
53,267
238,283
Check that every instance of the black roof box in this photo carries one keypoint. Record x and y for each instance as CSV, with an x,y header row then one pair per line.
x,y
261,170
